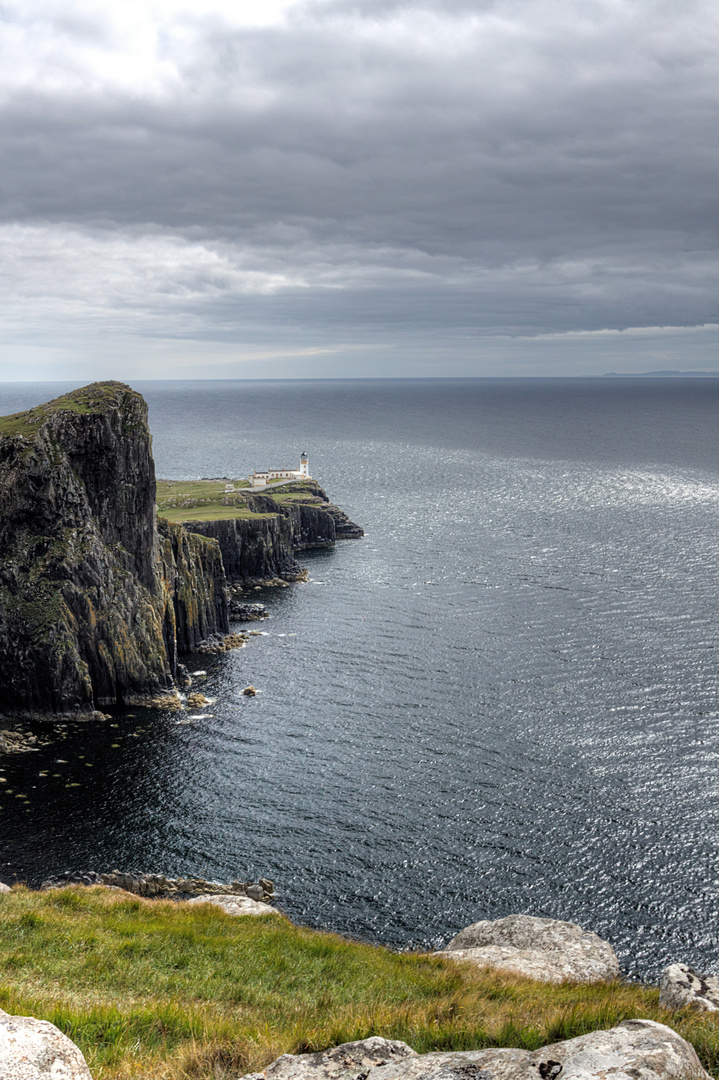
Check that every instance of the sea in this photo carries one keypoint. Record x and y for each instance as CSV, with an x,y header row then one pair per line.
x,y
503,699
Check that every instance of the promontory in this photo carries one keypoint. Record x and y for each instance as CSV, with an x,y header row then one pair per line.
x,y
98,594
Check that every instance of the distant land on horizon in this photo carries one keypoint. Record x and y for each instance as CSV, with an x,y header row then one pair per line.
x,y
668,374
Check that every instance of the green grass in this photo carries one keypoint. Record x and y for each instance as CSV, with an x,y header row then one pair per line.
x,y
97,397
164,991
196,489
202,500
210,512
207,500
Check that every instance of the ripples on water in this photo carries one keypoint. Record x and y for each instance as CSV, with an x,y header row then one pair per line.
x,y
503,699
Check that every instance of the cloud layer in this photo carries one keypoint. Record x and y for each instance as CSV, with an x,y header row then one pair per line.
x,y
366,183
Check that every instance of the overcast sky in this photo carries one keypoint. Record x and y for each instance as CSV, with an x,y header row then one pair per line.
x,y
231,189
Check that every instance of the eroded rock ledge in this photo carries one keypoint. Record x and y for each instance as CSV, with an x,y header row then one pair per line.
x,y
157,885
262,550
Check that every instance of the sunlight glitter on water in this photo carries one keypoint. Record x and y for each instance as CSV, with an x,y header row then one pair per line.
x,y
503,699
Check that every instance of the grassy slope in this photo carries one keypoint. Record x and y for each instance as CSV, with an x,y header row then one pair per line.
x,y
163,991
201,500
211,512
97,397
206,500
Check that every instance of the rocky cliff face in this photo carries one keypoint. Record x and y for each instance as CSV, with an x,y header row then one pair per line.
x,y
194,585
253,549
261,549
94,604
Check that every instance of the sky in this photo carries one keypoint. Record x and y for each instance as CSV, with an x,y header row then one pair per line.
x,y
347,188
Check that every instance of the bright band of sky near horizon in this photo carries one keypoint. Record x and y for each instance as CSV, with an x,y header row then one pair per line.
x,y
325,188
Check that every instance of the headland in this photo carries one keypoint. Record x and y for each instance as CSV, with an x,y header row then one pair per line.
x,y
100,593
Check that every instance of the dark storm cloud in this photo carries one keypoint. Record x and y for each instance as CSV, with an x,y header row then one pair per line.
x,y
507,167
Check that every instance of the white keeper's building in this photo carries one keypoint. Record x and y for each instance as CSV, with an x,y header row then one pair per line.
x,y
262,479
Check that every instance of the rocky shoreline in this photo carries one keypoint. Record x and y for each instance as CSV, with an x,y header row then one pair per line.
x,y
160,887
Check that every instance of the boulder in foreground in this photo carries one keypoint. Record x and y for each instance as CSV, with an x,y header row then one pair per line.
x,y
545,949
635,1049
682,985
348,1061
33,1049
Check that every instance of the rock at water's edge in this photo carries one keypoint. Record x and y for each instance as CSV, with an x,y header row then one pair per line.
x,y
546,949
236,904
682,985
4,888
636,1048
242,612
33,1049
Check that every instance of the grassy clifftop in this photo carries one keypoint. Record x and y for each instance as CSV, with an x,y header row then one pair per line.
x,y
96,398
167,991
202,500
207,500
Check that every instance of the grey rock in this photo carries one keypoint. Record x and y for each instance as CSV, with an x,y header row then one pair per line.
x,y
635,1050
235,905
255,892
157,885
33,1049
242,612
545,949
682,985
4,888
350,1061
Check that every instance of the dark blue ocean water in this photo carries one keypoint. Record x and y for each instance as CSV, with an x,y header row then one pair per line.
x,y
503,699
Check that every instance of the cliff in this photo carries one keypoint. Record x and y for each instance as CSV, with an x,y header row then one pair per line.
x,y
253,549
296,517
193,578
94,602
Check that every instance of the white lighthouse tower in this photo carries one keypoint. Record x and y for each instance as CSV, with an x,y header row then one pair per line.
x,y
304,466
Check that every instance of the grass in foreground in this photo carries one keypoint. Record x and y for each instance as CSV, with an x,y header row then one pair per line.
x,y
162,991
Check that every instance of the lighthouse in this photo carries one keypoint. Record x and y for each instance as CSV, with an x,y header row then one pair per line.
x,y
274,476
